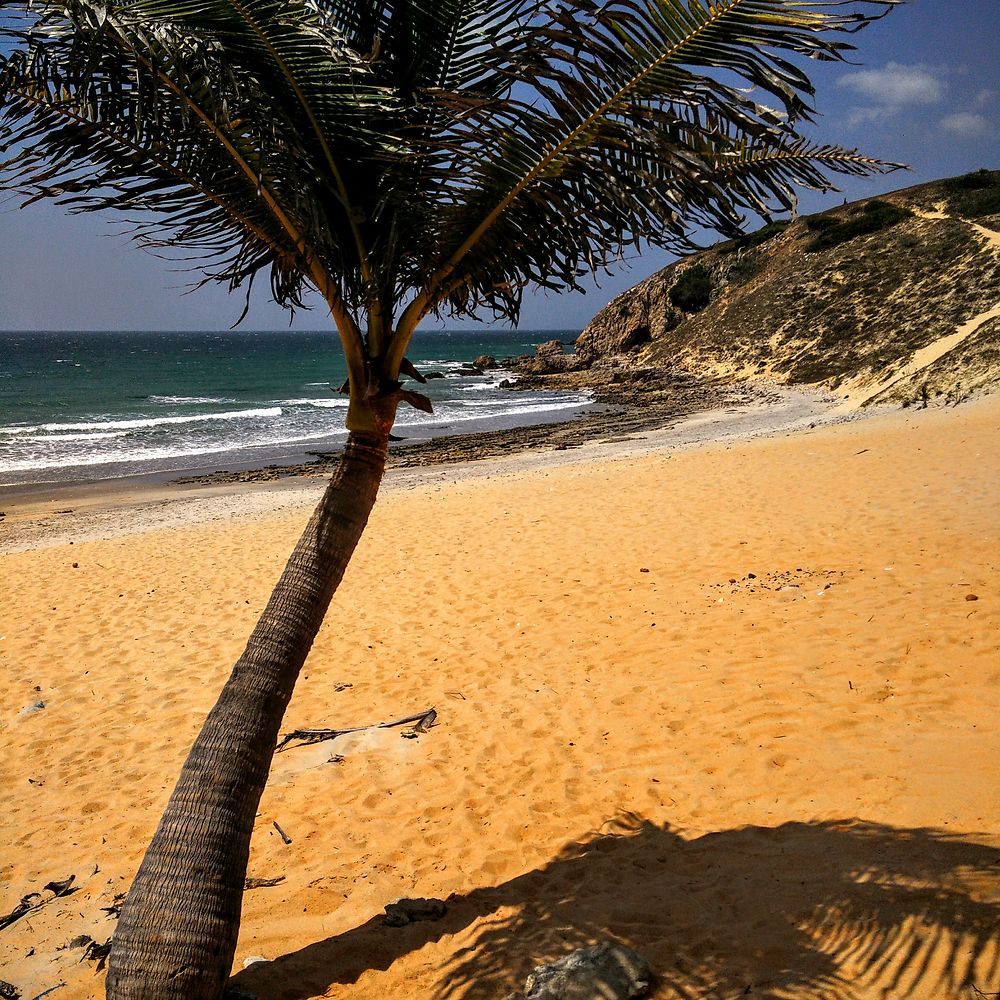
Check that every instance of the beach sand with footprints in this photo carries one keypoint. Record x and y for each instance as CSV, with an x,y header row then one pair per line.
x,y
733,704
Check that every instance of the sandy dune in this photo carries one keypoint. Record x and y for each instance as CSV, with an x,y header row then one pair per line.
x,y
734,705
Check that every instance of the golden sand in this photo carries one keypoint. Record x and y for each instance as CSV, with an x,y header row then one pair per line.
x,y
735,706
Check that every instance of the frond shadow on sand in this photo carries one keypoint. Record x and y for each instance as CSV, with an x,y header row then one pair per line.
x,y
803,910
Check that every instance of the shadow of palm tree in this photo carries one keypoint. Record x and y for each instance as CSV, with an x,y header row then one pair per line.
x,y
805,910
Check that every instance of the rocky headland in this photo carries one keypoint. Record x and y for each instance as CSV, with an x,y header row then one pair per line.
x,y
894,299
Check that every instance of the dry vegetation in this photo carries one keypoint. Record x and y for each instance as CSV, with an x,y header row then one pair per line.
x,y
849,294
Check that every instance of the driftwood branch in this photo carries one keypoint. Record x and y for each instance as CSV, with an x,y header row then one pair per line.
x,y
262,883
34,900
422,721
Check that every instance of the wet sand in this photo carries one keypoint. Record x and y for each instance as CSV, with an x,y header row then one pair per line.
x,y
58,513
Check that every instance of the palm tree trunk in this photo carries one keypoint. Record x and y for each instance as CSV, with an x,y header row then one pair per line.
x,y
177,933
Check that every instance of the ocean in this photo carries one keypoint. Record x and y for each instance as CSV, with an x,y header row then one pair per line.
x,y
101,405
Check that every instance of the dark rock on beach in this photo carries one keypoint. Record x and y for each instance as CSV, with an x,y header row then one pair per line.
x,y
608,971
408,911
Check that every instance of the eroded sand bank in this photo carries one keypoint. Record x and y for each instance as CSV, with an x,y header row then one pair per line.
x,y
734,705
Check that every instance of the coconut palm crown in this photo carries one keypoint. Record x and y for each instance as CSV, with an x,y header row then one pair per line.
x,y
407,158
404,158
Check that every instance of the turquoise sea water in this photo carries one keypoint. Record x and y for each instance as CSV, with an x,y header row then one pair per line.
x,y
105,404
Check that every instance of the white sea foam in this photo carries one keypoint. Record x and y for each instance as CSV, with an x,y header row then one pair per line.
x,y
189,399
59,438
408,419
325,404
147,456
517,402
106,458
447,366
317,436
129,425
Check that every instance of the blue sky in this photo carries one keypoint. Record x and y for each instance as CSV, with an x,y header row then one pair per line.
x,y
926,92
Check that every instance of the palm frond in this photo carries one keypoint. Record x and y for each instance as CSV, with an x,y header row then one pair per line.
x,y
407,156
624,87
211,102
79,138
653,191
326,91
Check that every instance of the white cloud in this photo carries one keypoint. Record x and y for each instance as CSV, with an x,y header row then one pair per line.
x,y
863,116
966,124
894,87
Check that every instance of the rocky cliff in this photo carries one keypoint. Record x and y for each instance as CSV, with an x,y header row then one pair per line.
x,y
895,298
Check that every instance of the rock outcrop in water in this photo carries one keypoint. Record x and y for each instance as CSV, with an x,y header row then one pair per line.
x,y
549,358
895,298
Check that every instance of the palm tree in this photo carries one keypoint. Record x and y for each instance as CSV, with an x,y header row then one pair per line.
x,y
404,158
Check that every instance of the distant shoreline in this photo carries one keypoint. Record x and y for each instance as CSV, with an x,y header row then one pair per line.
x,y
49,514
412,447
108,405
237,466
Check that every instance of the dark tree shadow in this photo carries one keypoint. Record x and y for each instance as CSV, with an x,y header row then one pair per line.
x,y
803,910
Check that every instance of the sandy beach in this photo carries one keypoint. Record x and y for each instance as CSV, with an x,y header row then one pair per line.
x,y
729,697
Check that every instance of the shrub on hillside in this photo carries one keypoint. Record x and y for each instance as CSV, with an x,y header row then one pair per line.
x,y
745,267
756,238
692,291
872,217
975,181
820,223
974,195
